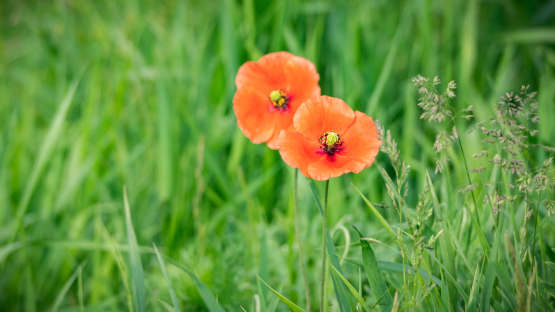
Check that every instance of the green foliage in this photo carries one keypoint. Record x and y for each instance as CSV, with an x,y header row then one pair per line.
x,y
137,275
281,297
375,278
97,95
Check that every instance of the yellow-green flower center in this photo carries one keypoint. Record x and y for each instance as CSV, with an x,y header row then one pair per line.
x,y
279,99
331,142
331,138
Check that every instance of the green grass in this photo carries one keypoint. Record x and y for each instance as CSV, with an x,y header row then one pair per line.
x,y
101,96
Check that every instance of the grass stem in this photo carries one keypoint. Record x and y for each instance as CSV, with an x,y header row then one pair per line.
x,y
474,215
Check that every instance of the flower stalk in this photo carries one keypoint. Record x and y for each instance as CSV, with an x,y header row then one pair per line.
x,y
324,254
298,237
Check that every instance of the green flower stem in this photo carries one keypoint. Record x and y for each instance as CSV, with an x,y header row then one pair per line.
x,y
298,236
324,254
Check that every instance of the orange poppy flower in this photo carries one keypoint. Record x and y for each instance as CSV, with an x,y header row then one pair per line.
x,y
269,92
328,139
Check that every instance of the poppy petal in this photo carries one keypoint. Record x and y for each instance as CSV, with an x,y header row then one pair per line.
x,y
328,167
321,114
301,81
254,75
253,113
267,74
297,151
361,142
282,120
275,64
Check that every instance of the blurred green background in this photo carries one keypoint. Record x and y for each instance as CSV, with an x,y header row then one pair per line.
x,y
98,95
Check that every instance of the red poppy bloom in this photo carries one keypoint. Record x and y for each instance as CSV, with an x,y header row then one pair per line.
x,y
328,139
269,92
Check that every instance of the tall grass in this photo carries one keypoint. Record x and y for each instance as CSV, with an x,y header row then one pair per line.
x,y
99,95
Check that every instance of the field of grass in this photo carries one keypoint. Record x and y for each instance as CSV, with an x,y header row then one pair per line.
x,y
108,103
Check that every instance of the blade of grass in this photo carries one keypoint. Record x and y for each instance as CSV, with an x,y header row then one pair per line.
x,y
7,249
468,45
314,39
281,297
228,40
395,307
474,213
166,305
279,15
472,299
400,268
173,297
43,155
65,289
164,162
207,296
487,287
262,268
80,294
387,66
375,277
375,212
250,30
116,253
31,297
450,277
351,289
490,274
136,268
519,278
531,36
291,41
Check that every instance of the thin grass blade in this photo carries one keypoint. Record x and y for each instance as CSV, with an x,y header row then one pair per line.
x,y
136,268
207,295
44,153
173,297
531,36
472,299
372,270
65,289
351,289
375,212
7,249
281,297
400,268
